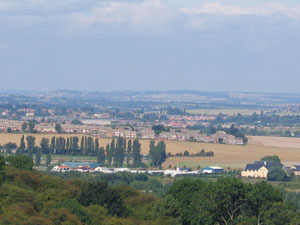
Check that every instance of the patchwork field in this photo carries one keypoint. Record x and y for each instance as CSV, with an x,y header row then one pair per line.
x,y
288,149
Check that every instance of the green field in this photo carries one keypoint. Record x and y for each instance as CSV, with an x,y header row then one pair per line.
x,y
194,165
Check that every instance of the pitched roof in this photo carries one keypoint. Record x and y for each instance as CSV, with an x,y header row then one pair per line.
x,y
258,164
295,168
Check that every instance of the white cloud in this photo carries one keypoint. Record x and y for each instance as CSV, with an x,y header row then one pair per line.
x,y
144,14
218,9
42,6
139,14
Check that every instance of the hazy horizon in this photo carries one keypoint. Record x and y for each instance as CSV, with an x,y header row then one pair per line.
x,y
121,45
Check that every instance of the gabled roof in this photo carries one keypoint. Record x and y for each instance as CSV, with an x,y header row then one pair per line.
x,y
295,168
258,164
253,166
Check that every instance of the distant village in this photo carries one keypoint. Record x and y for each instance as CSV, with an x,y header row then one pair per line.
x,y
102,126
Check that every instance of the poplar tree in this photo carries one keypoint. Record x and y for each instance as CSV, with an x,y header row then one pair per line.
x,y
128,152
45,145
75,145
82,145
157,153
68,145
101,156
119,153
52,145
30,143
151,155
97,145
136,153
111,152
21,148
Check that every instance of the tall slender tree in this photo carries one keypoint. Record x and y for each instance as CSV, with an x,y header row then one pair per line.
x,y
68,145
101,156
52,145
75,145
90,146
151,155
157,153
111,152
60,145
30,144
85,145
128,152
136,153
45,145
97,145
82,145
21,148
119,154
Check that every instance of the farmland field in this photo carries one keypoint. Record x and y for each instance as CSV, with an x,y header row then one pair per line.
x,y
284,142
288,149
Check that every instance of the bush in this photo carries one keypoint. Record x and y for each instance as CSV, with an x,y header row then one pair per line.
x,y
277,174
21,161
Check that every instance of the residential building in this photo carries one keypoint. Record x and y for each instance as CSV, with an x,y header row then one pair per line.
x,y
147,134
294,169
258,169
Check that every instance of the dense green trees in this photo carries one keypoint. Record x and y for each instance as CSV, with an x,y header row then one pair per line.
x,y
21,161
159,128
2,173
31,125
277,174
24,126
271,158
157,153
29,197
58,128
114,154
119,152
227,201
98,193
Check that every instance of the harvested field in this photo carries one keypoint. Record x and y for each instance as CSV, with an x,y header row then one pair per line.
x,y
288,149
283,142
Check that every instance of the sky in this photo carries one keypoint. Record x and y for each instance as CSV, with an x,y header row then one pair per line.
x,y
109,45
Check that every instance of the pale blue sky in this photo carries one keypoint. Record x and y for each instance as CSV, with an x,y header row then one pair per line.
x,y
111,45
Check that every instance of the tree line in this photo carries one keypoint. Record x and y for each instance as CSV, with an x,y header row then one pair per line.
x,y
117,153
